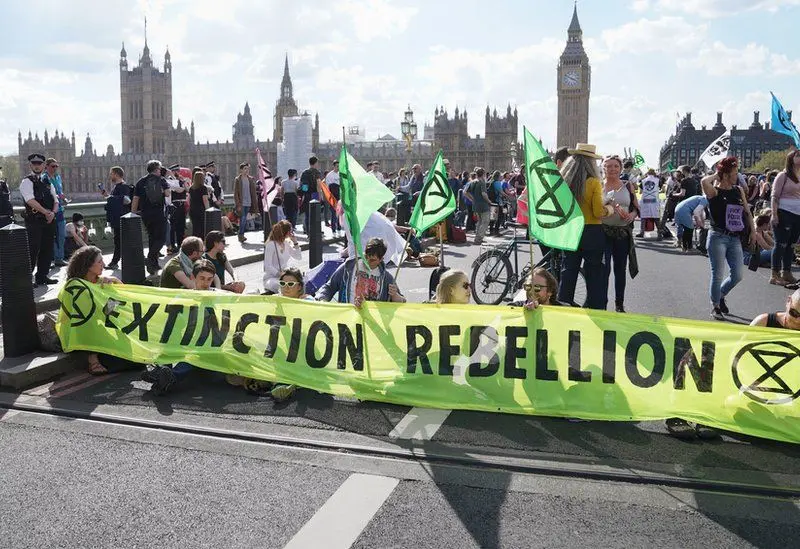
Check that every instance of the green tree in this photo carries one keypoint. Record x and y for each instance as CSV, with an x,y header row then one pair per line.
x,y
773,160
10,167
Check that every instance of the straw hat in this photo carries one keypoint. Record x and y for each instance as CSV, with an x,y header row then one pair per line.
x,y
586,150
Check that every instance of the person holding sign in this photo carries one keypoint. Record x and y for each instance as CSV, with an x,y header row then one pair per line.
x,y
583,179
730,219
453,288
785,203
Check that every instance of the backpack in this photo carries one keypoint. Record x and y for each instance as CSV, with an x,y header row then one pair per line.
x,y
153,191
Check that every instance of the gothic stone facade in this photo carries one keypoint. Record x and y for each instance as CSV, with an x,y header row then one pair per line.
x,y
573,87
688,143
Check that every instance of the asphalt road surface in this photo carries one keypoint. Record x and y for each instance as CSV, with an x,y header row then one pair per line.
x,y
101,462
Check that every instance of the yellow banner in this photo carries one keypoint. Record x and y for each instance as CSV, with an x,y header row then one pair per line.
x,y
554,361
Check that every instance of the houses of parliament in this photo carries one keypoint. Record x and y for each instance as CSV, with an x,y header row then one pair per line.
x,y
146,115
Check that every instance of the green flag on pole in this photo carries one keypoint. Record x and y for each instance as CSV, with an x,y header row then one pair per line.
x,y
670,167
362,195
436,201
555,218
638,160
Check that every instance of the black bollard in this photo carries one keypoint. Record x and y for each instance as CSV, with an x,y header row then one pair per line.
x,y
270,220
213,220
20,333
314,234
131,248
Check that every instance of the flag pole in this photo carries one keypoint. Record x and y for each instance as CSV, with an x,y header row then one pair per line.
x,y
403,255
441,244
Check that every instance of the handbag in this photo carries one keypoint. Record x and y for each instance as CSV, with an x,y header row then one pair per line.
x,y
755,258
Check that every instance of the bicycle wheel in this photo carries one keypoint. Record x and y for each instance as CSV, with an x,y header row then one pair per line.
x,y
580,288
492,278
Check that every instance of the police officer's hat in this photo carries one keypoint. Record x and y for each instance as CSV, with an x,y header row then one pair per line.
x,y
211,165
36,158
174,167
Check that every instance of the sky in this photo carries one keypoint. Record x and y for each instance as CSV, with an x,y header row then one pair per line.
x,y
362,62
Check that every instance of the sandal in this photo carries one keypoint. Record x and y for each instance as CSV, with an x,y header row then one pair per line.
x,y
97,369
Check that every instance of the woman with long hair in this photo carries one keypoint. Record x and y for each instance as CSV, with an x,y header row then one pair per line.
x,y
453,288
730,217
198,203
785,202
87,264
583,179
618,229
280,248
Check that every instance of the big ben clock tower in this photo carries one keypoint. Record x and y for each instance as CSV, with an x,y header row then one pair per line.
x,y
574,84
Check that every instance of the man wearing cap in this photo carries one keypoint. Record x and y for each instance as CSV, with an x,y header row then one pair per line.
x,y
51,174
212,180
177,213
149,197
41,206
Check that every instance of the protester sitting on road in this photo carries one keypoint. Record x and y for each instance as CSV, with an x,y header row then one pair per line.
x,y
77,235
87,263
453,288
789,319
164,377
730,216
280,249
581,175
177,272
764,240
355,283
414,244
215,253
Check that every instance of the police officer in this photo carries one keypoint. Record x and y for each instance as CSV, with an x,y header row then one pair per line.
x,y
177,212
41,206
6,209
218,197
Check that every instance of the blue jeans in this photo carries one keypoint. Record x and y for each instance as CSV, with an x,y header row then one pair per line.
x,y
61,234
765,257
786,234
181,370
243,219
721,248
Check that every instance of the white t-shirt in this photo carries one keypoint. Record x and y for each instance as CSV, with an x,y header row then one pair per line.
x,y
26,190
332,178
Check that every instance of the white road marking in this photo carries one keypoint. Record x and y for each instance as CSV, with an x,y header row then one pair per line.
x,y
339,522
420,424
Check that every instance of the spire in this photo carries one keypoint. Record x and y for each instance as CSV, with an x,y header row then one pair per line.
x,y
247,108
122,52
146,59
286,83
574,30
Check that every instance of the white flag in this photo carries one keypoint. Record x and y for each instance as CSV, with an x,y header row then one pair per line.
x,y
717,150
269,190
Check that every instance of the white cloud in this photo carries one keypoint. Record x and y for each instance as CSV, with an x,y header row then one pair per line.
x,y
720,8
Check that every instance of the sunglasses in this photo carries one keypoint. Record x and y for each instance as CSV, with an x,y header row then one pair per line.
x,y
288,283
794,313
535,287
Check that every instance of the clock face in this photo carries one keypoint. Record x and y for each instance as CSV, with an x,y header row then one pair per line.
x,y
571,79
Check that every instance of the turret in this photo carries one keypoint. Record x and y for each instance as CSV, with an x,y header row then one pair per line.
x,y
123,58
167,61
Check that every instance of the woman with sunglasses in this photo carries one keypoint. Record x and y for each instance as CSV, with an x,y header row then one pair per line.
x,y
280,248
789,319
453,288
291,284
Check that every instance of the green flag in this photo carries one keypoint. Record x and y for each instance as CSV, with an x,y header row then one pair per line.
x,y
670,166
362,195
638,160
436,201
555,218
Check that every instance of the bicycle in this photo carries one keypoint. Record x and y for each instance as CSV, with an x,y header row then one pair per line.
x,y
493,276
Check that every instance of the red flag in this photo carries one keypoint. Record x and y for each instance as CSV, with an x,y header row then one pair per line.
x,y
269,190
326,193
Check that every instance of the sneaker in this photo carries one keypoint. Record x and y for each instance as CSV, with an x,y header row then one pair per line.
x,y
242,238
282,392
680,428
165,380
60,263
620,307
723,306
716,314
149,374
47,281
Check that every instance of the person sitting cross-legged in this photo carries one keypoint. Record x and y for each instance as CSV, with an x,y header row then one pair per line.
x,y
356,283
165,377
177,272
87,263
215,253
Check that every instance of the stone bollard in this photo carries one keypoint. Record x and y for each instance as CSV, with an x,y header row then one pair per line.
x,y
213,220
131,248
314,233
20,332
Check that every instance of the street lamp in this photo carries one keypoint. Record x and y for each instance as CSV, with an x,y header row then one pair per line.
x,y
409,130
512,150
